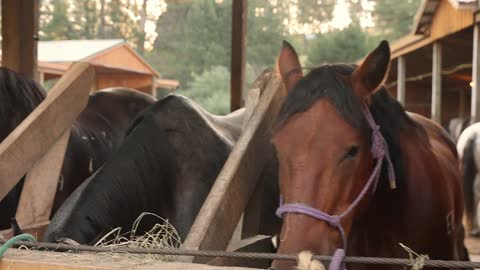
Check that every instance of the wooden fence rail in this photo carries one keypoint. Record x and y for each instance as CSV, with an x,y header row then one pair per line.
x,y
38,144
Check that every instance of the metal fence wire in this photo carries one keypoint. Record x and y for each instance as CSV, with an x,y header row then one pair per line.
x,y
241,255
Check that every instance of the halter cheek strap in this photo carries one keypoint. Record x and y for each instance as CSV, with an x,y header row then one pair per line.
x,y
379,152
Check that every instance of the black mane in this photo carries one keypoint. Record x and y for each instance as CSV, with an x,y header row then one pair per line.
x,y
325,82
19,96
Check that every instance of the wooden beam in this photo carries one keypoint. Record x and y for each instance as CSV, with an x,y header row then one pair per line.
x,y
239,53
221,211
41,185
154,86
44,126
436,114
41,78
475,99
15,259
20,35
401,80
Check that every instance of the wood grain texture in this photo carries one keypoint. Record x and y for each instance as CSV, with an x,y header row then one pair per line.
x,y
239,53
44,126
41,184
19,34
43,260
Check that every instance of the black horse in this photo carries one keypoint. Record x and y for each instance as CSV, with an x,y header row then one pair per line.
x,y
97,132
171,156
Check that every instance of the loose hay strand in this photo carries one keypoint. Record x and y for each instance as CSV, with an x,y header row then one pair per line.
x,y
161,235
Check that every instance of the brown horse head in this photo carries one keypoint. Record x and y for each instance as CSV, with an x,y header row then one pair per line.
x,y
323,144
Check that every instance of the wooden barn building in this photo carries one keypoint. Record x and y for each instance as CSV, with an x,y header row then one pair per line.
x,y
435,69
115,63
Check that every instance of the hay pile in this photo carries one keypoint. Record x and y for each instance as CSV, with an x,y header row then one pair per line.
x,y
161,235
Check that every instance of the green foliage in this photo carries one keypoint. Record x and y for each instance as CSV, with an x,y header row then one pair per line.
x,y
202,38
192,39
347,46
394,18
211,89
55,23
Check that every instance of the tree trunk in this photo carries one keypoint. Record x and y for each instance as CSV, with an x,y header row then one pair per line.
x,y
101,28
141,30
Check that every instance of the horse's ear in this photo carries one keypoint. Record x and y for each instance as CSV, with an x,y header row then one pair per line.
x,y
372,72
289,66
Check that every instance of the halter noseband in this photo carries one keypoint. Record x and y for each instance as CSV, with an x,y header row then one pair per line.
x,y
380,152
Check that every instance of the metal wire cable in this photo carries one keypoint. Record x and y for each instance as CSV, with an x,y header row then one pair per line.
x,y
241,255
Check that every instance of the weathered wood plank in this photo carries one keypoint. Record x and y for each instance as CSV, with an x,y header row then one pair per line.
x,y
41,184
401,80
475,106
44,126
20,34
437,82
251,101
239,53
43,260
228,198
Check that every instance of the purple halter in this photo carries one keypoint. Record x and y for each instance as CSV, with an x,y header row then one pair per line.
x,y
379,152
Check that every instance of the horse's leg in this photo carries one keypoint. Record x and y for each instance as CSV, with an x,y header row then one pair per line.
x,y
476,189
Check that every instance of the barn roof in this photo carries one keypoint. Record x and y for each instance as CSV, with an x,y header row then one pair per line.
x,y
73,50
424,16
435,20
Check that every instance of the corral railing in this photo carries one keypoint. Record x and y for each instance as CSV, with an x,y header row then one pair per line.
x,y
239,179
36,147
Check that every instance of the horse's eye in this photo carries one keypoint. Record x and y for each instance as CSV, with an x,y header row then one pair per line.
x,y
352,152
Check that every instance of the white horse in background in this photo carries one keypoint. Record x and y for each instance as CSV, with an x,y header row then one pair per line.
x,y
456,126
468,147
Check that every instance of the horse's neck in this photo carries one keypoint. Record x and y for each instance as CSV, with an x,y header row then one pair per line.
x,y
228,126
425,197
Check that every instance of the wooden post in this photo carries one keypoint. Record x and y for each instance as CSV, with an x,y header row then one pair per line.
x,y
220,213
401,80
20,35
154,86
475,106
239,52
41,185
42,128
41,78
436,114
15,259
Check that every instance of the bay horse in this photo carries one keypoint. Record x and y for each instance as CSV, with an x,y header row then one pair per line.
x,y
469,151
96,133
357,174
169,160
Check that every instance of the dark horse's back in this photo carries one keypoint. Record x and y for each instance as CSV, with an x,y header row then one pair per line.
x,y
96,133
171,156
